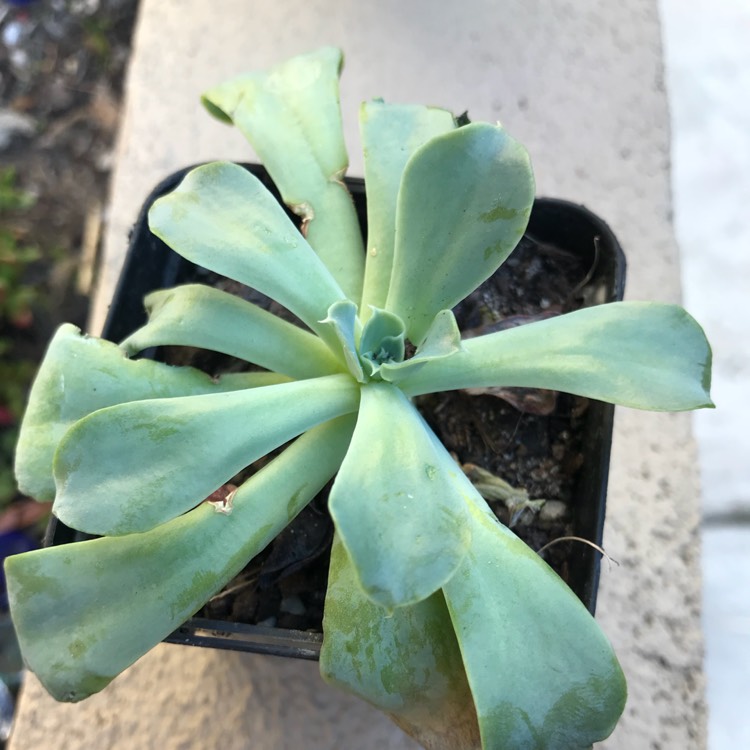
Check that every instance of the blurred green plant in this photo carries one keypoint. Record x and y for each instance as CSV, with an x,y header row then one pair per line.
x,y
17,298
97,32
13,198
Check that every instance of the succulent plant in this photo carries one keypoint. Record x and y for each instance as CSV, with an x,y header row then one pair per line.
x,y
435,612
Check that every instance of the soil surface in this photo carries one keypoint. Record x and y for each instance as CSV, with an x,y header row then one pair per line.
x,y
61,79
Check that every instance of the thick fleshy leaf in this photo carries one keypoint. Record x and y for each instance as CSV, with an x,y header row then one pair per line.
x,y
407,663
201,316
222,218
86,611
382,339
399,502
80,374
130,467
345,326
443,339
541,671
291,116
464,203
390,135
647,355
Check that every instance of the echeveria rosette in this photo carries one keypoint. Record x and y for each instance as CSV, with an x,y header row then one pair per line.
x,y
435,613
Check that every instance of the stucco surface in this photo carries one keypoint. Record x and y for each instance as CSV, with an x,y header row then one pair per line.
x,y
708,64
581,84
708,60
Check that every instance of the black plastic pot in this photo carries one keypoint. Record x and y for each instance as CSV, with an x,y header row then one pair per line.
x,y
150,265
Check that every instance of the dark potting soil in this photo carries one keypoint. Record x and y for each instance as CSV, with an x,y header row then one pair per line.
x,y
528,438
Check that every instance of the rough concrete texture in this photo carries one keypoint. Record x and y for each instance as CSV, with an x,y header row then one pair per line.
x,y
708,63
707,48
726,618
179,698
581,84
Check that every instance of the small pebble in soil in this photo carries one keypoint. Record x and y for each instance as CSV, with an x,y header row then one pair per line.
x,y
552,512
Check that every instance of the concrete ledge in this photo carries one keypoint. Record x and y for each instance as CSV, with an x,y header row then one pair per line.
x,y
581,85
184,698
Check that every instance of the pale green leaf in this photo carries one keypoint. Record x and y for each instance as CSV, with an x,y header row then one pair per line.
x,y
399,501
222,218
390,135
647,355
541,671
407,663
464,203
346,328
443,339
382,339
80,374
291,116
207,318
86,611
130,467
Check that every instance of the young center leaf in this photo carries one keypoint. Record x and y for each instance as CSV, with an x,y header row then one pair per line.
x,y
442,340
